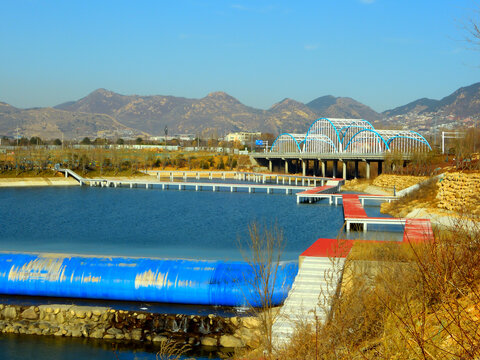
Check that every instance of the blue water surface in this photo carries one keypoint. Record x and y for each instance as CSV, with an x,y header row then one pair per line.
x,y
141,222
153,223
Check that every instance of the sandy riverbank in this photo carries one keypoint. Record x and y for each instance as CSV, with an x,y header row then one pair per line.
x,y
56,180
37,181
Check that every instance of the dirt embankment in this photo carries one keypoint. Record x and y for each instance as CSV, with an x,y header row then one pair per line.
x,y
456,194
385,184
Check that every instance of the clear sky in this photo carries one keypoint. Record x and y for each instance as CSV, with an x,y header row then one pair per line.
x,y
384,53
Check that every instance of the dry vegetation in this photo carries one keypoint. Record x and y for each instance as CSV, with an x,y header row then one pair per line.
x,y
402,302
113,161
424,197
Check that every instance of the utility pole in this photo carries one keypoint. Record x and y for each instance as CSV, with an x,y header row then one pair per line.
x,y
166,133
475,135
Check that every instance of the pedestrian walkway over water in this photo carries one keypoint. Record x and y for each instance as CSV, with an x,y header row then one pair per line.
x,y
333,198
240,175
417,230
184,185
320,274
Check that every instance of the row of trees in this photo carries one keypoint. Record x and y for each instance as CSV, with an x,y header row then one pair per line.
x,y
112,160
197,142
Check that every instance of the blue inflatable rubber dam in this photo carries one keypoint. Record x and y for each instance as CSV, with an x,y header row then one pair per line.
x,y
139,279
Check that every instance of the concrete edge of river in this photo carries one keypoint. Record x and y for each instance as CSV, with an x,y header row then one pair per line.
x,y
37,181
48,181
110,324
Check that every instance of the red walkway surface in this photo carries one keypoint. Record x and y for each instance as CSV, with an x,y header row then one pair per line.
x,y
352,208
317,189
329,248
417,230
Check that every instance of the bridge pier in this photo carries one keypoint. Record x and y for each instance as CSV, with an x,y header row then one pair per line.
x,y
323,167
356,169
270,165
367,169
304,167
334,171
286,166
344,168
380,163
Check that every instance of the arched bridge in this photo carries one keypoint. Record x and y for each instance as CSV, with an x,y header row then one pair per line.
x,y
355,136
343,140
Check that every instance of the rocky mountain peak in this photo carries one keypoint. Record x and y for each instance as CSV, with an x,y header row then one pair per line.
x,y
220,95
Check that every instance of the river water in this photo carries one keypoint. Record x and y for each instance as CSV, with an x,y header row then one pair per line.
x,y
153,223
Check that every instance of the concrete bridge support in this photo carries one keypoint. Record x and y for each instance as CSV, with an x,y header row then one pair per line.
x,y
334,172
356,169
270,165
367,170
286,166
380,163
304,167
323,167
344,168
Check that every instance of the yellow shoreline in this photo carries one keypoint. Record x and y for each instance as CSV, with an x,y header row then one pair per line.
x,y
37,181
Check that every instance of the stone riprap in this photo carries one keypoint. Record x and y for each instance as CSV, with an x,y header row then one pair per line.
x,y
460,192
399,181
106,323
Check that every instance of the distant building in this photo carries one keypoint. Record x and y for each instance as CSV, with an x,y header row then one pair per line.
x,y
243,137
181,137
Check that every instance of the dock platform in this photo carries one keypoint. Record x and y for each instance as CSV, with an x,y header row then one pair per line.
x,y
417,230
185,185
263,178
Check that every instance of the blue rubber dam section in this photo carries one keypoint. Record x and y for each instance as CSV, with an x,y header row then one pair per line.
x,y
139,279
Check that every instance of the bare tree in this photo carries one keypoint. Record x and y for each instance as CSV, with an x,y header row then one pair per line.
x,y
262,251
472,28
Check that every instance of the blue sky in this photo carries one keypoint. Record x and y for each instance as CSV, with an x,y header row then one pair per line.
x,y
383,53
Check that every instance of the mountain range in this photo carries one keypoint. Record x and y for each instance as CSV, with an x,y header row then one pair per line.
x,y
104,113
462,103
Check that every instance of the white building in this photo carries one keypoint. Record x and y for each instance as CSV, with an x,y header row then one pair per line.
x,y
243,137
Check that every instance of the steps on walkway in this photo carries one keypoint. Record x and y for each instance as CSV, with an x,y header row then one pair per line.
x,y
308,300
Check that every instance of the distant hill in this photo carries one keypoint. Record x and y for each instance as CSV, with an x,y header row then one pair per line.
x,y
416,106
462,103
289,116
52,123
217,112
104,113
342,107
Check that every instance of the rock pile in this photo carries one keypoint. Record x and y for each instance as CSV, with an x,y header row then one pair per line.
x,y
106,323
399,181
460,192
